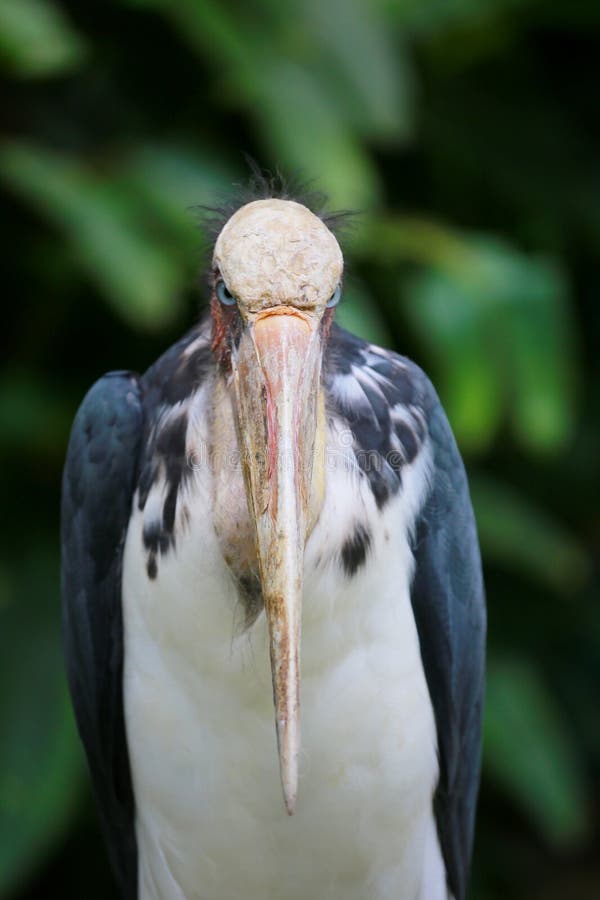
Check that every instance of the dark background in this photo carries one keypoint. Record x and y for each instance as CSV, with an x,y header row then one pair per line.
x,y
467,133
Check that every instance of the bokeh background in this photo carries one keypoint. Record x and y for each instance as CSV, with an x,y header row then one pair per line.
x,y
467,134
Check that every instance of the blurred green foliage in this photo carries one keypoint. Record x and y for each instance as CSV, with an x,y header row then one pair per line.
x,y
466,134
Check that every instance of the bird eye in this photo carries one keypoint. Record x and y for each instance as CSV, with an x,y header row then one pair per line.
x,y
335,297
224,294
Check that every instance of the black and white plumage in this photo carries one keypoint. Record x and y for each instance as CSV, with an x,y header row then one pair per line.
x,y
167,644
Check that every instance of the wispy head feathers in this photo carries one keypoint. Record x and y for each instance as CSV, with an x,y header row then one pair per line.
x,y
263,185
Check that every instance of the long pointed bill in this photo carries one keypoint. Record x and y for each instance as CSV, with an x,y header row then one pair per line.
x,y
276,369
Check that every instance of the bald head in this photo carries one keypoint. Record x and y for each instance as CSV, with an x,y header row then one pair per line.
x,y
274,252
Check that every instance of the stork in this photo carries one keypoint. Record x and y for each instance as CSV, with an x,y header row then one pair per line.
x,y
273,474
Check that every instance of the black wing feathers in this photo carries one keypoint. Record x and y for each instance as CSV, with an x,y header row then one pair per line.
x,y
449,607
98,486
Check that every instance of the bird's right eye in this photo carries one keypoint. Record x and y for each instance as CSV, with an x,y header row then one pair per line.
x,y
224,294
335,297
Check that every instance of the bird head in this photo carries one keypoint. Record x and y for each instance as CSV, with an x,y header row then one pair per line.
x,y
277,273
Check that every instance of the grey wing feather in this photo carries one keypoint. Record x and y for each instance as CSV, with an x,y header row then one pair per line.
x,y
98,486
449,606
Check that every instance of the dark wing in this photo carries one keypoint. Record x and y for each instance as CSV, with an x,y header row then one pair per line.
x,y
98,486
449,607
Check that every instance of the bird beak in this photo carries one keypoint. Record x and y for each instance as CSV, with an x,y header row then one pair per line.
x,y
276,370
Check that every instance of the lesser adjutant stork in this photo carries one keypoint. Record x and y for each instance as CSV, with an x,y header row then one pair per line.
x,y
272,474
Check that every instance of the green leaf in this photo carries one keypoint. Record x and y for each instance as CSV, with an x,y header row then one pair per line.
x,y
515,533
452,330
541,334
300,120
174,179
359,314
306,132
36,40
107,228
530,753
377,95
41,764
210,29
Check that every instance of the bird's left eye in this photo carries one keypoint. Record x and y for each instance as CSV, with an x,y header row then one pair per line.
x,y
224,294
335,297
